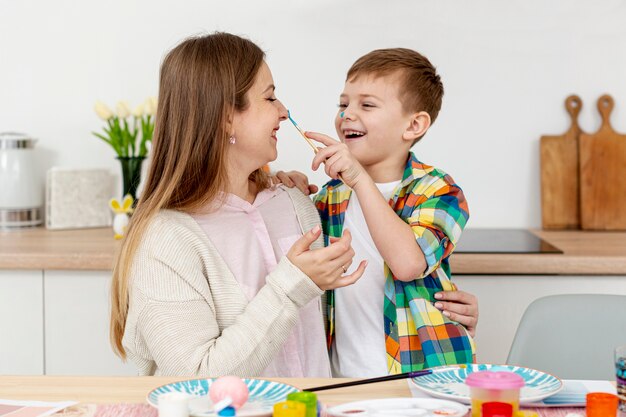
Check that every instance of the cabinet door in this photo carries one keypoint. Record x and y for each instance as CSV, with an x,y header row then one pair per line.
x,y
502,300
21,323
77,325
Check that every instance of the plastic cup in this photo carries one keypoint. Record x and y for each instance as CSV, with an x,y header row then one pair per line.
x,y
173,404
601,404
309,399
487,386
289,409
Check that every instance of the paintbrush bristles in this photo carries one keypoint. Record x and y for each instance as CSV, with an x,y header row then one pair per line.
x,y
302,133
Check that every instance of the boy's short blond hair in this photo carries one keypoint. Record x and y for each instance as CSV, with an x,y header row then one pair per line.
x,y
421,87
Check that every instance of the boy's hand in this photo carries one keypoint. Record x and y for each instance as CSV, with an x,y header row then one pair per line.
x,y
337,159
459,306
326,266
296,179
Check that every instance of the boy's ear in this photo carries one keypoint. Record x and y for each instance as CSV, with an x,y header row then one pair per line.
x,y
418,125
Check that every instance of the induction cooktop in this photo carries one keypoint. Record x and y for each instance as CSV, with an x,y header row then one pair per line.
x,y
503,241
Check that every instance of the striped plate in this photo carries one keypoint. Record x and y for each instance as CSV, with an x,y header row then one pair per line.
x,y
263,395
451,384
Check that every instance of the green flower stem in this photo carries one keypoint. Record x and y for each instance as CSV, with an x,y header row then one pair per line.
x,y
128,139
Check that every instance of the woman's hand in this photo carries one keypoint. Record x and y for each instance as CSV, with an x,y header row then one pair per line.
x,y
326,266
295,179
459,306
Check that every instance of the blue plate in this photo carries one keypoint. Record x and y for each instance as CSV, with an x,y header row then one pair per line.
x,y
263,395
450,384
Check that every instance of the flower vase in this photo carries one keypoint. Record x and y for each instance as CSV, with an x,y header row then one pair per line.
x,y
131,174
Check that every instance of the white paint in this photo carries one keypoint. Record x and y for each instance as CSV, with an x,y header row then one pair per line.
x,y
507,68
503,300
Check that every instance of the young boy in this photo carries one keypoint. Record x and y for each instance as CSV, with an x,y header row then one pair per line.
x,y
405,217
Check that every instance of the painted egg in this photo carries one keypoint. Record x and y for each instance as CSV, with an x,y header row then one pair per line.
x,y
229,386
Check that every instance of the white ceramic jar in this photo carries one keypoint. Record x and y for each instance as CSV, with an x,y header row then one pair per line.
x,y
21,186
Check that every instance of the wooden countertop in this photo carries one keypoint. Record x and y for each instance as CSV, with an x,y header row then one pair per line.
x,y
585,253
39,248
109,390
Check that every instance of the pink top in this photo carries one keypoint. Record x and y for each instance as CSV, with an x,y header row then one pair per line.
x,y
251,238
495,380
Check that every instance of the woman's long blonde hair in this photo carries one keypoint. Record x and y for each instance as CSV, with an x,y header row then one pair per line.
x,y
203,81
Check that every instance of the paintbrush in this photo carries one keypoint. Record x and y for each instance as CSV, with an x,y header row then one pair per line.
x,y
302,132
387,378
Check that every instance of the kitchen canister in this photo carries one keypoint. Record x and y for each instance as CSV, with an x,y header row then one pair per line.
x,y
21,185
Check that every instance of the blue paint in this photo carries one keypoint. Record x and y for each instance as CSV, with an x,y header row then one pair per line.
x,y
342,114
294,123
227,411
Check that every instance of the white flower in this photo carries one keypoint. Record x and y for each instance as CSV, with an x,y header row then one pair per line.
x,y
103,111
122,109
138,112
151,106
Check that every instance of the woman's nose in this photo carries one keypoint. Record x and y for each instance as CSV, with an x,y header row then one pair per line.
x,y
282,111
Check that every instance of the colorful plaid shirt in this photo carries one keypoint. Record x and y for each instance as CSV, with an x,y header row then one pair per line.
x,y
417,335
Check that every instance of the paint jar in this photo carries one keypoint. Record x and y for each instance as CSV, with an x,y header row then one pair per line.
x,y
487,386
602,404
309,399
496,409
173,404
289,409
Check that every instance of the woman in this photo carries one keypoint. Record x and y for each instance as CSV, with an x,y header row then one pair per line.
x,y
209,280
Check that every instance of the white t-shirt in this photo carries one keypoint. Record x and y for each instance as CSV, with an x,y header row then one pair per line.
x,y
358,349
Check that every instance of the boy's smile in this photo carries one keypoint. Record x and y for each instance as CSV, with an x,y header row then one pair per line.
x,y
350,134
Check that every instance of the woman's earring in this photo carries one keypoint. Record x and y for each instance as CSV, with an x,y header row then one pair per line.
x,y
232,140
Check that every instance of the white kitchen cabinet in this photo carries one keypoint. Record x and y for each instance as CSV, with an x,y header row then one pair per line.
x,y
503,300
21,323
77,325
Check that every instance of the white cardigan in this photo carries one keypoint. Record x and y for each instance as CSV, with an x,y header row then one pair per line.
x,y
187,315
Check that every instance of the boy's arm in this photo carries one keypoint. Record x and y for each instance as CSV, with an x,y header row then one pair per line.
x,y
414,248
393,237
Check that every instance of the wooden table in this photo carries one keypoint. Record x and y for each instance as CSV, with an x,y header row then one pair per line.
x,y
109,390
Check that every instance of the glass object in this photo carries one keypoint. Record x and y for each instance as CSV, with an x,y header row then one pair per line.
x,y
620,373
131,174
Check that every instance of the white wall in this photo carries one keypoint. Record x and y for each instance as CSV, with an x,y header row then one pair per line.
x,y
507,66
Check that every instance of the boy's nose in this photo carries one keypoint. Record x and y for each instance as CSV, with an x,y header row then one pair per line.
x,y
347,114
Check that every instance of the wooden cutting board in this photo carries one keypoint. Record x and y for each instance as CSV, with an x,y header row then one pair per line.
x,y
559,174
603,174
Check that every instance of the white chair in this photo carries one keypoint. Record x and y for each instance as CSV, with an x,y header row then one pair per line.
x,y
571,336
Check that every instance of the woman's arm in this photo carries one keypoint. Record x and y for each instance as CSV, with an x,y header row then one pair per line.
x,y
188,314
181,331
